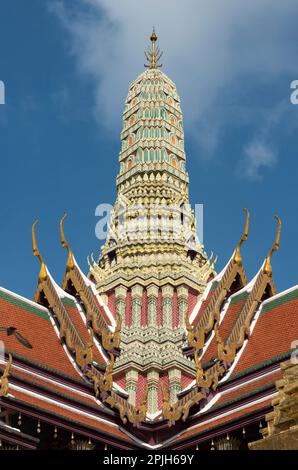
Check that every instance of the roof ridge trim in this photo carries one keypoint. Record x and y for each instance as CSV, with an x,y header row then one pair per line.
x,y
24,303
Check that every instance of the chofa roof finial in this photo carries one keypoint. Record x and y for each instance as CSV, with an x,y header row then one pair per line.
x,y
43,271
267,266
237,254
70,261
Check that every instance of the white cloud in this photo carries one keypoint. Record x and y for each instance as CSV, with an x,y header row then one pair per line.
x,y
210,48
257,156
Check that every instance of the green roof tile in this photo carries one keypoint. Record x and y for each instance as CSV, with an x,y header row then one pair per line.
x,y
27,306
280,300
68,301
214,285
237,298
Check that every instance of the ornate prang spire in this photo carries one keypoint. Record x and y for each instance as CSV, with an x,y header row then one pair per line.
x,y
152,229
153,56
152,253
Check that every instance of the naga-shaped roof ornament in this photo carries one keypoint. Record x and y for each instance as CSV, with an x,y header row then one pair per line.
x,y
267,266
70,261
237,253
154,55
43,270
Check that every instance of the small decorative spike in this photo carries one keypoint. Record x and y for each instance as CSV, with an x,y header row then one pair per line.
x,y
106,447
197,447
89,442
212,445
38,430
20,420
72,439
243,432
228,437
55,432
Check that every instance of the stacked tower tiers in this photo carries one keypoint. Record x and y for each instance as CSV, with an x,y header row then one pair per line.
x,y
152,267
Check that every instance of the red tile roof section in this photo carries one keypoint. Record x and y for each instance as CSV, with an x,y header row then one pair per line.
x,y
273,334
47,349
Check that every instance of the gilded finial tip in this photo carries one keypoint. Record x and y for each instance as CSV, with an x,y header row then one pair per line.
x,y
34,244
35,223
153,35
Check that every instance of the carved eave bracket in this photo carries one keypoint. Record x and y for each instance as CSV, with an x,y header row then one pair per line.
x,y
181,409
103,390
4,379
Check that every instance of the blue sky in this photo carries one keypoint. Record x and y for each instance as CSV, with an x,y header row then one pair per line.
x,y
67,67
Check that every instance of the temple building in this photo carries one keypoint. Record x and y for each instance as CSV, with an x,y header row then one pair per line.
x,y
152,349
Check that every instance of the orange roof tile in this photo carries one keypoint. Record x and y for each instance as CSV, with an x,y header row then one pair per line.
x,y
33,322
275,330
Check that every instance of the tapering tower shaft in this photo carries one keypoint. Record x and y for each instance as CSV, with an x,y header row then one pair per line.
x,y
152,262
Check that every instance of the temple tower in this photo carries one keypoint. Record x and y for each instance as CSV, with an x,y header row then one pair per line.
x,y
152,267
